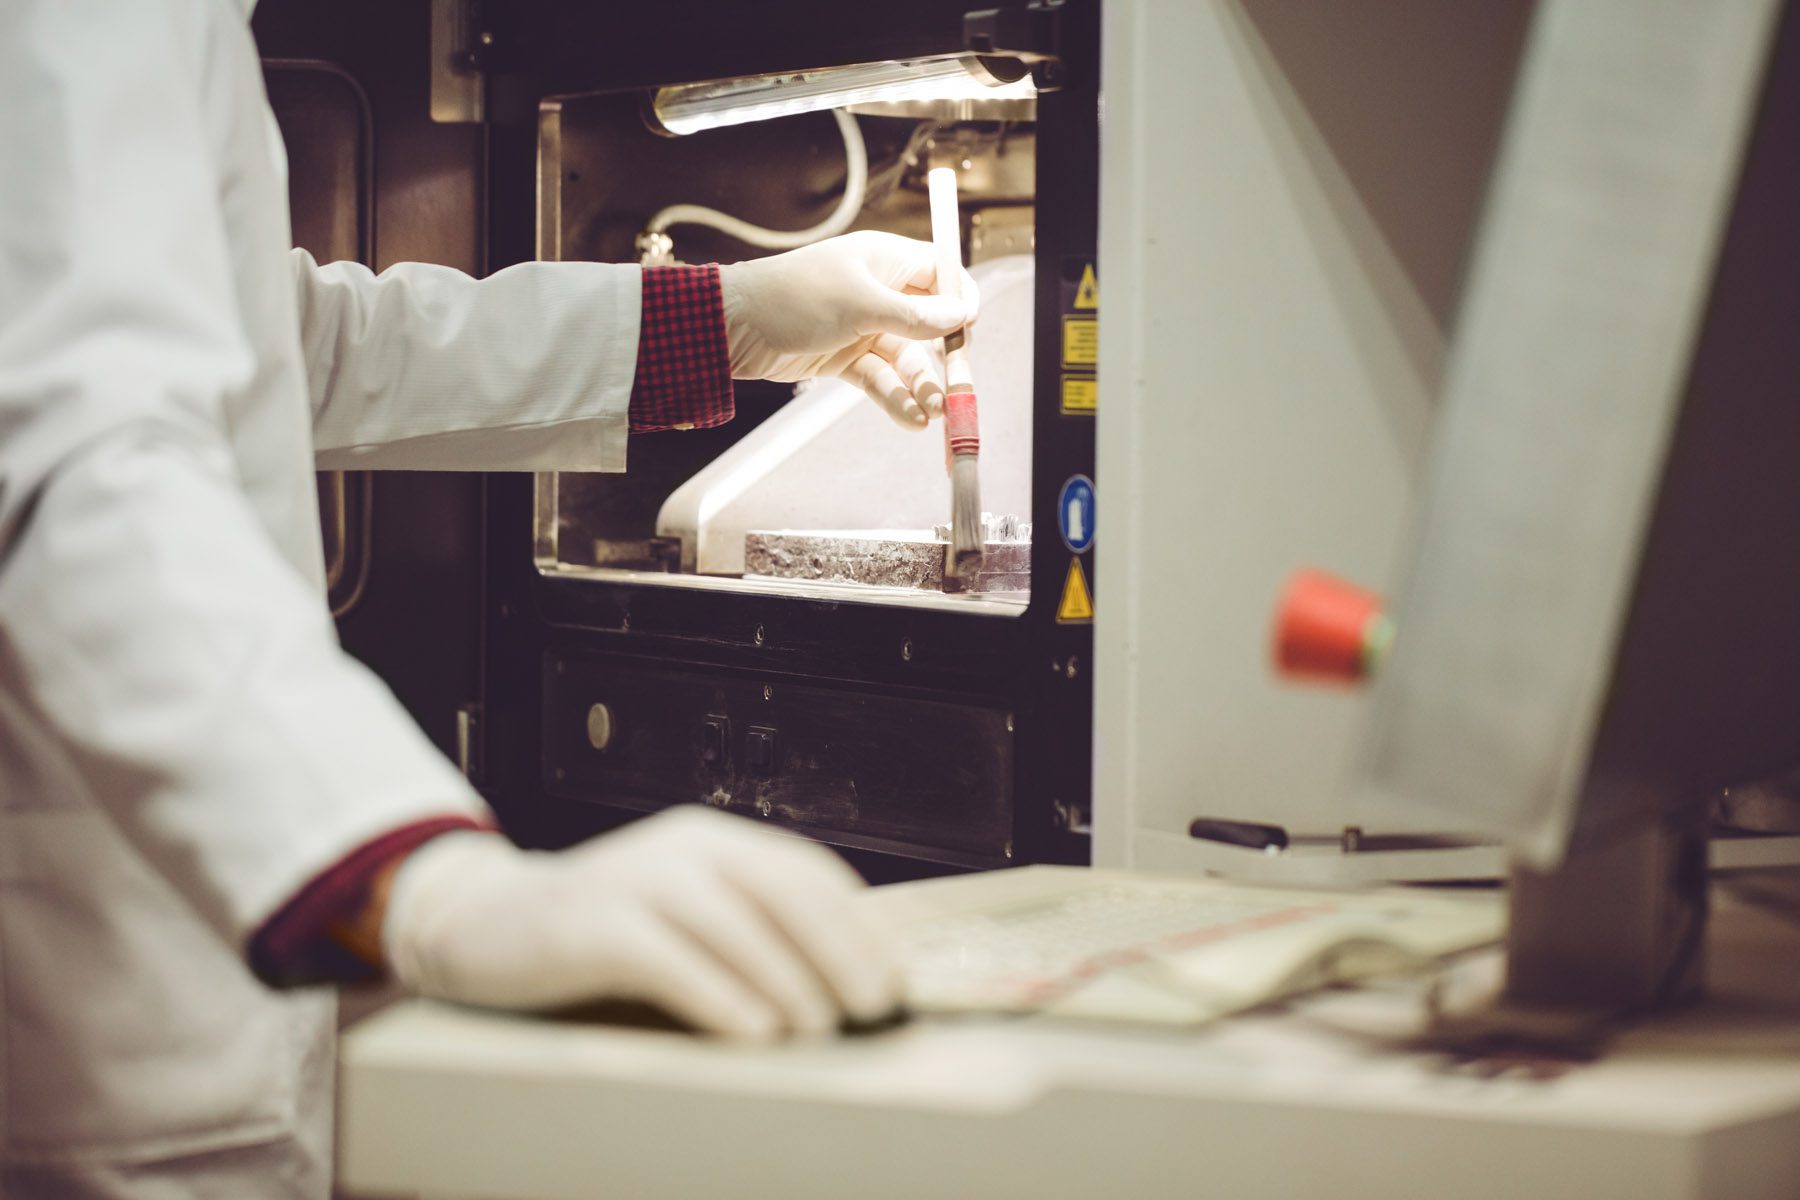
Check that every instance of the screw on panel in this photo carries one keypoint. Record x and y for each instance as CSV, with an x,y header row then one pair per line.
x,y
761,635
600,727
764,807
1074,666
906,650
1009,722
1008,850
624,622
768,692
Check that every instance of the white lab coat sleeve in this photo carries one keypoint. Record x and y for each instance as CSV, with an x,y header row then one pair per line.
x,y
425,367
185,674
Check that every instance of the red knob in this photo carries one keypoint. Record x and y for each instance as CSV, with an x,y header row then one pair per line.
x,y
1328,629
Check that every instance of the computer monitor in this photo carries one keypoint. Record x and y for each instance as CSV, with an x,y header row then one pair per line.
x,y
1600,626
1587,510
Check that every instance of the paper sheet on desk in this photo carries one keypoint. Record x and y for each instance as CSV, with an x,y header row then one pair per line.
x,y
1118,946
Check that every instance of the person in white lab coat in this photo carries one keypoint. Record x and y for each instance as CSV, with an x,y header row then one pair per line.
x,y
194,779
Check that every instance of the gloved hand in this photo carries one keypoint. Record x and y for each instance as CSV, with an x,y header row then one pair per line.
x,y
737,930
854,307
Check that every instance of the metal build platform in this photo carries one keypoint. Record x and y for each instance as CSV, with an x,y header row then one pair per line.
x,y
892,558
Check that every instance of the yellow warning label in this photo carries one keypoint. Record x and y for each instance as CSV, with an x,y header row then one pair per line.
x,y
1080,394
1077,607
1081,342
1088,294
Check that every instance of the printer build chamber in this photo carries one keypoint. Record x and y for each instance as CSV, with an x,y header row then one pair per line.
x,y
631,660
821,466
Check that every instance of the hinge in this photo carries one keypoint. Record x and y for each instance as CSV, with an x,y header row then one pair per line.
x,y
458,43
468,741
1032,33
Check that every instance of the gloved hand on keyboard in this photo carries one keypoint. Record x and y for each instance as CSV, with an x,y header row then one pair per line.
x,y
857,307
735,929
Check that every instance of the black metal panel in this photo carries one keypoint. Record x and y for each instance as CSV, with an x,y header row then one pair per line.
x,y
1056,733
881,766
546,47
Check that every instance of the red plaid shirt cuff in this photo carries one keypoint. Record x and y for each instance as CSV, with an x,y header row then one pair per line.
x,y
684,361
295,948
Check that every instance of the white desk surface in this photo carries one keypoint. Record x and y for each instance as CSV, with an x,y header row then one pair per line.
x,y
1322,1099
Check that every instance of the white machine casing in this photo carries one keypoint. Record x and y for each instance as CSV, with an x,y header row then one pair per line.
x,y
1287,202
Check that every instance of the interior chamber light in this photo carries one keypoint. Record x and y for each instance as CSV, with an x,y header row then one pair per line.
x,y
692,107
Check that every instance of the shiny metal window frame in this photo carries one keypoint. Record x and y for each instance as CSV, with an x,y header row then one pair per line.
x,y
346,499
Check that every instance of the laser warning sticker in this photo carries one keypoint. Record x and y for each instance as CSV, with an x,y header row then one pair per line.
x,y
1087,292
1078,286
1077,607
1080,395
1079,293
1081,342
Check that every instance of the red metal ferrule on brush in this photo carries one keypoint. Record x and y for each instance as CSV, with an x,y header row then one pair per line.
x,y
962,428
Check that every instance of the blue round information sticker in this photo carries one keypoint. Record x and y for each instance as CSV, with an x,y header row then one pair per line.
x,y
1075,513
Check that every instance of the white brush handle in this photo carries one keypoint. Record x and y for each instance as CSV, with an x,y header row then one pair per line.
x,y
961,433
946,239
946,230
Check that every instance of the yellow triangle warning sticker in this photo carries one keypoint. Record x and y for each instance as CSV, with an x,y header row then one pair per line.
x,y
1077,602
1088,294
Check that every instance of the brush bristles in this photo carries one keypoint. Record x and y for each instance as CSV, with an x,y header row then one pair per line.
x,y
968,543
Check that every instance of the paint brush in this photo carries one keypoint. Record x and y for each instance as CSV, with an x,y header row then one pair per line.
x,y
962,427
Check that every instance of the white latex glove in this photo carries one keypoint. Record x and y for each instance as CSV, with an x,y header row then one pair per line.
x,y
858,307
737,930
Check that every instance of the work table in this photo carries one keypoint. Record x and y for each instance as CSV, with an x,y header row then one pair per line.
x,y
1327,1096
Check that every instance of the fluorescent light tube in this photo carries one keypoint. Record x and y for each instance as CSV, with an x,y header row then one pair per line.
x,y
690,108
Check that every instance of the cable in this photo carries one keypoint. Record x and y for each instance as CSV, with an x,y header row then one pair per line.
x,y
887,177
856,183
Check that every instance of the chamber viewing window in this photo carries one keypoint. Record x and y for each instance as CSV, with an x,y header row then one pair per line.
x,y
810,489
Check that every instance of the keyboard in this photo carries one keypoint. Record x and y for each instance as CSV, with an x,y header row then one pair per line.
x,y
1117,945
